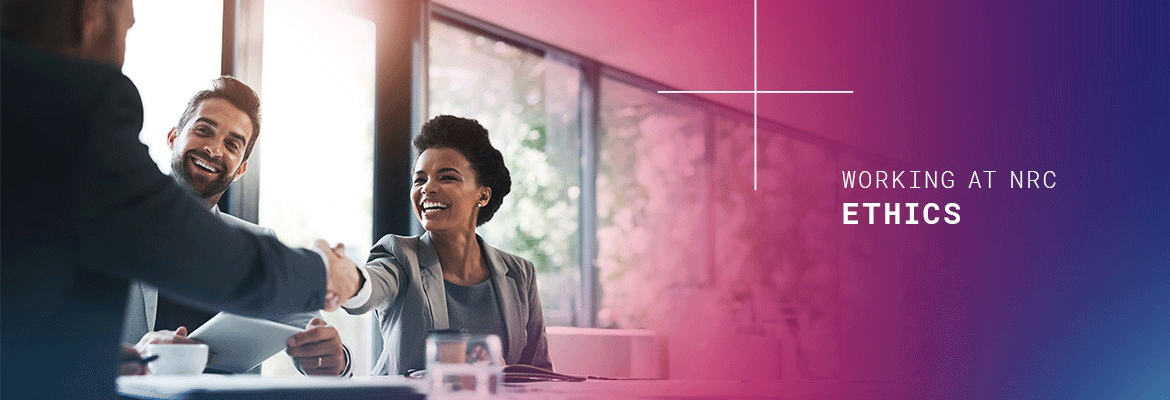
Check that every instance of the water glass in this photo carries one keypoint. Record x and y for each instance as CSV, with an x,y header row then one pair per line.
x,y
464,365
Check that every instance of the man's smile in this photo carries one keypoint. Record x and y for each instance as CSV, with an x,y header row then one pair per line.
x,y
205,166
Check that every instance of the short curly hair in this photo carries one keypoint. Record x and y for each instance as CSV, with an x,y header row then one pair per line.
x,y
470,138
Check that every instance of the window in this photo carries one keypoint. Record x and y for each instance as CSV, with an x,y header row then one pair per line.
x,y
663,170
787,287
169,65
652,179
317,120
530,106
315,152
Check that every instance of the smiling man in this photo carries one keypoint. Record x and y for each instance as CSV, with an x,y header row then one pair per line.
x,y
210,147
86,210
217,137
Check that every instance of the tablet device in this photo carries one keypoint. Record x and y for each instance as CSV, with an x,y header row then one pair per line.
x,y
239,343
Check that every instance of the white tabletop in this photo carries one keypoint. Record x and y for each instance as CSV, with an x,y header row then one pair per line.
x,y
206,385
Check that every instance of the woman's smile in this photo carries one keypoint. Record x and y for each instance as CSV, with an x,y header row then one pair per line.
x,y
431,209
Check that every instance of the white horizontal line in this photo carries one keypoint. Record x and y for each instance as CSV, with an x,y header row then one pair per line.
x,y
759,91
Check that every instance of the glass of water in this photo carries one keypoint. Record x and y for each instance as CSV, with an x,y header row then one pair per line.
x,y
464,365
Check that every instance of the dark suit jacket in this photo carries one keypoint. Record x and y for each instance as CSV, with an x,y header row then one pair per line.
x,y
142,301
85,210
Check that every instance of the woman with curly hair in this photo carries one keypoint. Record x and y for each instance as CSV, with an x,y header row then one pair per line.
x,y
449,278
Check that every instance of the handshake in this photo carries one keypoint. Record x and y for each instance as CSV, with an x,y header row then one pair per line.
x,y
344,278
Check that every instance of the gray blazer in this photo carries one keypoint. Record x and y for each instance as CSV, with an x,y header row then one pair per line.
x,y
409,298
142,301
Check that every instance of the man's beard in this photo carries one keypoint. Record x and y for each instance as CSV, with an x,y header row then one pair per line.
x,y
185,177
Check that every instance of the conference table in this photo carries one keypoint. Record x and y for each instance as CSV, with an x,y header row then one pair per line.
x,y
212,387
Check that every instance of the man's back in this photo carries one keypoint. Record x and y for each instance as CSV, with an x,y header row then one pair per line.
x,y
84,210
52,98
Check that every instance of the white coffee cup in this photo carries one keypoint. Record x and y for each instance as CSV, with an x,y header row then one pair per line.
x,y
177,359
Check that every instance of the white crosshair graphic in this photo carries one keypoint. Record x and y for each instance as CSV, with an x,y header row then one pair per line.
x,y
756,93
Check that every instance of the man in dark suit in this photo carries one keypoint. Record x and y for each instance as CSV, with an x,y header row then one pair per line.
x,y
85,210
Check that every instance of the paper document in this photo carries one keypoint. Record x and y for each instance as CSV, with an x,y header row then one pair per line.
x,y
239,343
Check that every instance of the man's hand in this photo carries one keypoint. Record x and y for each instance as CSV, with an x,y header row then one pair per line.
x,y
178,336
130,364
317,349
344,278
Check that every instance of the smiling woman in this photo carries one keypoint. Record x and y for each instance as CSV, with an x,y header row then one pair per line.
x,y
461,146
531,103
448,277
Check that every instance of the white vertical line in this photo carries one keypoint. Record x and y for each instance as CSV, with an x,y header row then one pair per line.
x,y
755,95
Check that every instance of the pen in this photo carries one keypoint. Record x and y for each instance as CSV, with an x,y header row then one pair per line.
x,y
142,361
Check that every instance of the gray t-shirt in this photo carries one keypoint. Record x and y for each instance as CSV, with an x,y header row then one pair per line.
x,y
475,309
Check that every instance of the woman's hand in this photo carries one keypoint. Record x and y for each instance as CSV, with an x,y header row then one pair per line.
x,y
344,278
